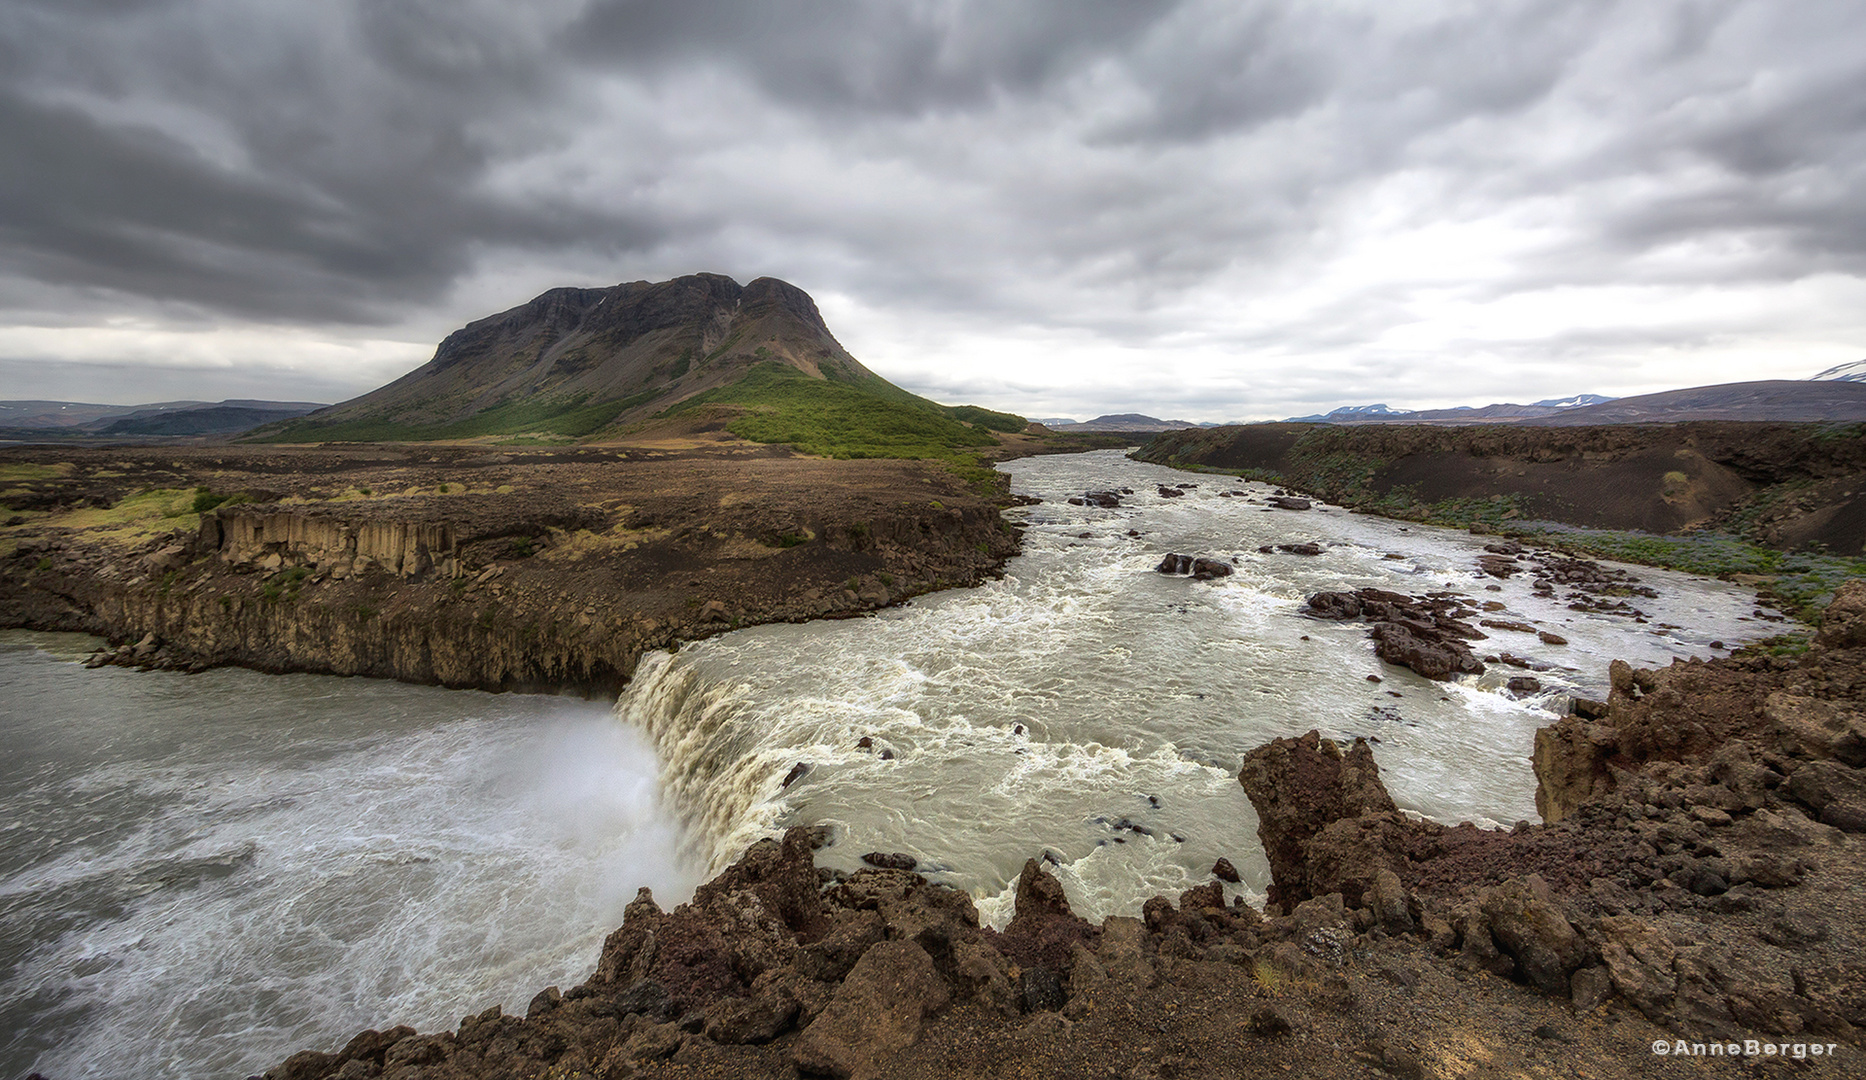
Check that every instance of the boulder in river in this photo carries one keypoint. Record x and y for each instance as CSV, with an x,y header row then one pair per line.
x,y
1421,633
1199,567
1287,502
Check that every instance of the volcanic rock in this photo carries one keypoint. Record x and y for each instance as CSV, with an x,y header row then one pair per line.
x,y
878,1010
1299,787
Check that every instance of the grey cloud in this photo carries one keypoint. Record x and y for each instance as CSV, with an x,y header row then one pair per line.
x,y
1129,170
885,57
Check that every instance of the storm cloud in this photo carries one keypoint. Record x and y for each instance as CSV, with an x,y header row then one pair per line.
x,y
1210,210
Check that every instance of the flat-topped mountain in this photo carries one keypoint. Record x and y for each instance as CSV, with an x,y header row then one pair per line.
x,y
576,362
1774,400
1119,422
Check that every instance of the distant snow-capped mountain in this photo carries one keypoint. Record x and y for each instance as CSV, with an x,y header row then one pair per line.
x,y
1574,402
1853,372
1376,414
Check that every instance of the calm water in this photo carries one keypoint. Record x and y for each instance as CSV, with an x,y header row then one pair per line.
x,y
202,874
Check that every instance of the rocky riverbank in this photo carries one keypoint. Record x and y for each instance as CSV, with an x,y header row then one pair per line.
x,y
497,568
1695,889
1785,486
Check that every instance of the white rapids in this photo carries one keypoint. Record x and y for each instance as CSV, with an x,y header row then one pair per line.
x,y
1089,708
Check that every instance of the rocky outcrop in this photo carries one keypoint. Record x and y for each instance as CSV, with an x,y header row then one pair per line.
x,y
1424,633
1199,567
550,571
1299,788
1788,486
1687,826
769,970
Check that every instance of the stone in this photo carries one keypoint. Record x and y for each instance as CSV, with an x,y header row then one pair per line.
x,y
1333,605
1043,930
1524,684
1270,1021
1224,871
172,557
891,861
877,1012
1551,639
1042,990
1819,728
755,1019
985,974
1639,959
1836,792
653,1042
851,933
1843,624
1390,904
1299,787
1570,761
1588,987
1434,656
1122,951
1287,502
1526,923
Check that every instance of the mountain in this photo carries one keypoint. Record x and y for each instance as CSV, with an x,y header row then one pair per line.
x,y
1572,402
73,414
78,419
1348,412
1853,372
226,418
1462,414
575,362
1782,400
1125,422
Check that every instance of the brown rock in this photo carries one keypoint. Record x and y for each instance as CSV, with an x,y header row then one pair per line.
x,y
1843,624
1043,930
877,1012
1224,871
1639,959
756,1019
1570,760
1300,786
1526,923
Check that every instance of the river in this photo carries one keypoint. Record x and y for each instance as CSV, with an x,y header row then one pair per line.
x,y
200,874
1089,708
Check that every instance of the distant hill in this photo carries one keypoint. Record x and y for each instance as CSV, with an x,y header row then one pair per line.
x,y
77,419
227,418
578,363
1781,400
1463,414
1118,422
1853,372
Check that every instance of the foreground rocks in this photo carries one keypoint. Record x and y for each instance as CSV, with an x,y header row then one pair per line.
x,y
1694,899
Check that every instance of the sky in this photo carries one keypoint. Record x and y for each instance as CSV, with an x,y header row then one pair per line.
x,y
1226,210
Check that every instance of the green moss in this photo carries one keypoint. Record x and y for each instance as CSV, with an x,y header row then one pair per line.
x,y
573,417
1010,423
